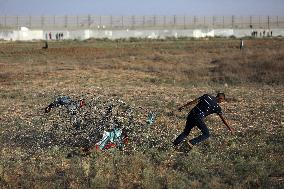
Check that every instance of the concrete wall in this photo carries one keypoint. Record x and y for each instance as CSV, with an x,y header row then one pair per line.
x,y
25,34
22,35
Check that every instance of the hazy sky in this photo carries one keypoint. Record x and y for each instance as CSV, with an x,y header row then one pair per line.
x,y
142,7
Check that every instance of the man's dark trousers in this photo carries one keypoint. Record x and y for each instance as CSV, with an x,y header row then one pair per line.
x,y
192,121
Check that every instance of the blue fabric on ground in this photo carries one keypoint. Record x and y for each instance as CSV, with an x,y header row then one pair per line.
x,y
150,118
113,137
63,100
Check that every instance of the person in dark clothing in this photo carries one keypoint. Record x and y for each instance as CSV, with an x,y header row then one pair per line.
x,y
45,45
206,105
241,44
71,105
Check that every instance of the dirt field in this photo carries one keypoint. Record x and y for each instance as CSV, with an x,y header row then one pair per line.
x,y
149,75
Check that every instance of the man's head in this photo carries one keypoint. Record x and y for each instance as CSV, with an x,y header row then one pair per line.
x,y
220,97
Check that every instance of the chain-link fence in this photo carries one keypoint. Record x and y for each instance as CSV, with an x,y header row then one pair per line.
x,y
140,22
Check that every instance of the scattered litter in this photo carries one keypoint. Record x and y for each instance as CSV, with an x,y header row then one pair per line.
x,y
112,139
71,105
150,119
91,125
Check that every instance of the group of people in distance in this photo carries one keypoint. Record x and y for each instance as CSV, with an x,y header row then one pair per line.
x,y
262,33
58,36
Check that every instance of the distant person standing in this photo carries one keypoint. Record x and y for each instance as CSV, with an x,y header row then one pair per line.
x,y
50,36
45,45
241,44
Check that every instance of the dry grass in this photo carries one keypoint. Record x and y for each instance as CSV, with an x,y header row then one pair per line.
x,y
158,75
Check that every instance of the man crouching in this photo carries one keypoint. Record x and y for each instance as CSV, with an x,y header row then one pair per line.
x,y
206,105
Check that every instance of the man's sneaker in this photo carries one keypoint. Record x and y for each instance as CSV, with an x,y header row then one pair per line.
x,y
186,146
47,109
177,149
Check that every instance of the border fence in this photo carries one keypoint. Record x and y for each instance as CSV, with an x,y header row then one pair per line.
x,y
140,22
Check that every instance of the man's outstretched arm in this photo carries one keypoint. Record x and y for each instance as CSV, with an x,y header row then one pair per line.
x,y
226,123
188,104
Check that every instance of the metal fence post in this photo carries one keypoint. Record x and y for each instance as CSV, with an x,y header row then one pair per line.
x,y
164,21
133,21
111,21
184,22
54,21
66,21
5,21
175,20
268,22
233,21
42,21
89,21
77,21
30,21
277,21
122,22
17,21
154,22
